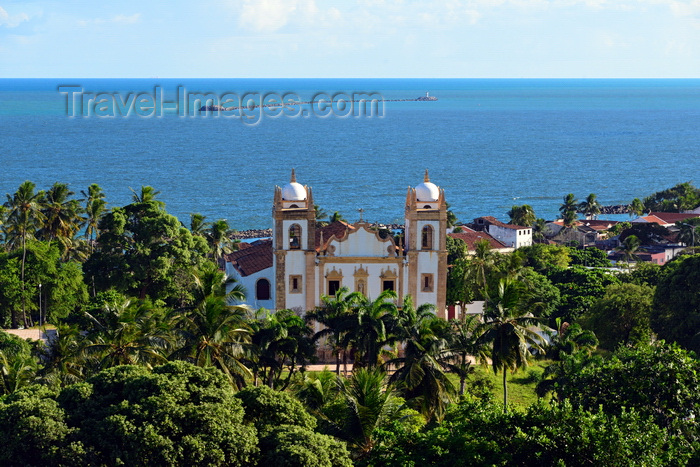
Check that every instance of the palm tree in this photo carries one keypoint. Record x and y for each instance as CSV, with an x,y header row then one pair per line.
x,y
214,334
219,238
130,335
148,195
210,281
376,320
336,217
335,314
419,374
539,230
481,264
23,219
61,214
568,210
64,365
687,232
464,343
3,220
569,339
508,330
522,215
95,207
590,207
369,403
16,372
629,248
636,208
197,224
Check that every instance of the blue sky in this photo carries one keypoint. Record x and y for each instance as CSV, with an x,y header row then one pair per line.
x,y
351,38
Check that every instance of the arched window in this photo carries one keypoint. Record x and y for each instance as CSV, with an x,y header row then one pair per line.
x,y
294,237
262,289
427,238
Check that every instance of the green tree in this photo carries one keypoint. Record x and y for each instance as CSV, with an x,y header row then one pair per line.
x,y
130,335
676,310
480,265
214,334
544,258
177,414
579,287
590,207
688,231
681,197
622,315
419,376
636,208
368,404
376,320
95,207
219,239
24,217
476,432
463,342
508,330
629,248
643,274
18,367
659,381
460,288
539,230
590,257
34,430
337,315
522,215
58,286
289,445
568,211
336,217
61,214
266,409
144,251
280,341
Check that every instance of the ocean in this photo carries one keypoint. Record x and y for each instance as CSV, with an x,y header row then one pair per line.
x,y
489,143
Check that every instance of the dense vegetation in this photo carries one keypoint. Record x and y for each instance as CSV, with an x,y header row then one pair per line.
x,y
157,361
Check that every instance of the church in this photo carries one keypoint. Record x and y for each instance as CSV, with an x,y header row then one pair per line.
x,y
303,262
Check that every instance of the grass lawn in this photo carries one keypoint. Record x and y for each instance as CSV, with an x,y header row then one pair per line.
x,y
521,385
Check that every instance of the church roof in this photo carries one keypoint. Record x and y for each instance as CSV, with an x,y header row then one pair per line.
x,y
337,228
252,258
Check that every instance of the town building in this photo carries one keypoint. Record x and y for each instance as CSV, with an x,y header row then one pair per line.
x,y
513,236
302,262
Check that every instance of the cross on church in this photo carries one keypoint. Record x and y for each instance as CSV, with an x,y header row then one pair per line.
x,y
361,211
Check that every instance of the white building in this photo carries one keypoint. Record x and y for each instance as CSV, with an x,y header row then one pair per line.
x,y
302,262
513,236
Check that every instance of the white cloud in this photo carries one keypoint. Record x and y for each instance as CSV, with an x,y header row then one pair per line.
x,y
118,19
272,15
12,21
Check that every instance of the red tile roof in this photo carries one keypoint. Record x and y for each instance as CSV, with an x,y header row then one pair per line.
x,y
337,228
490,220
252,258
470,237
669,217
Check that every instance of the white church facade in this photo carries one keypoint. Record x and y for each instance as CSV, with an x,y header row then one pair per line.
x,y
303,262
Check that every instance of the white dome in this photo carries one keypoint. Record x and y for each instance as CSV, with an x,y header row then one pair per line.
x,y
293,191
427,191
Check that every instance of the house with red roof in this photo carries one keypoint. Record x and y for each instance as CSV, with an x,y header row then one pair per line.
x,y
471,237
666,219
513,236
